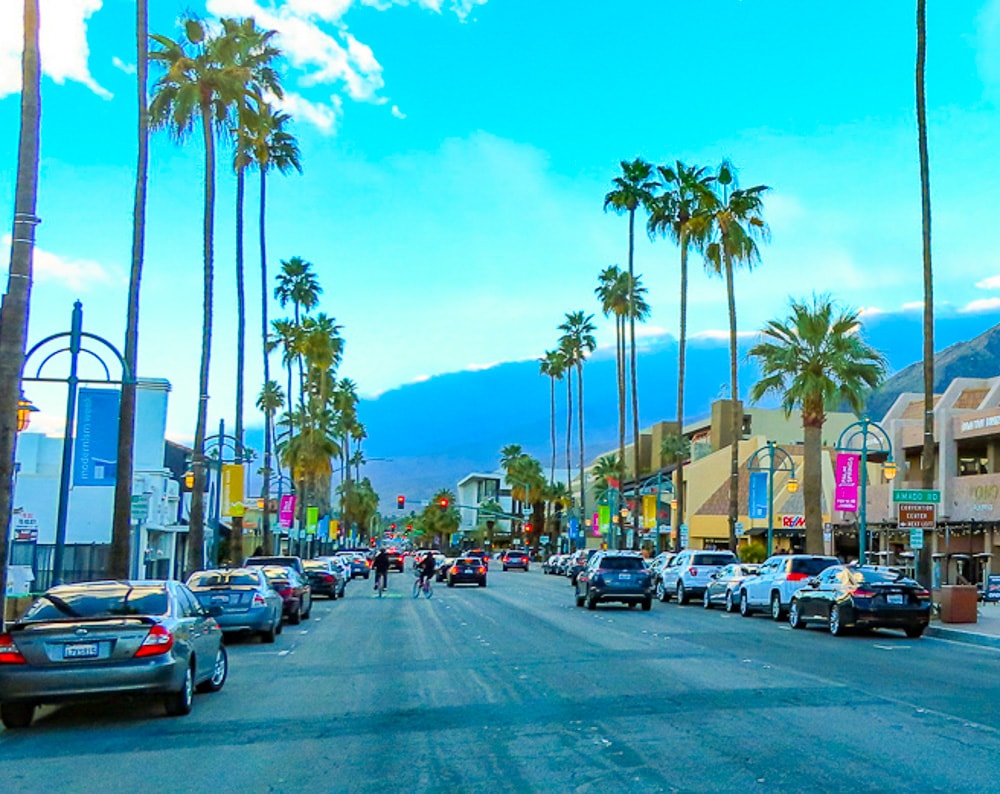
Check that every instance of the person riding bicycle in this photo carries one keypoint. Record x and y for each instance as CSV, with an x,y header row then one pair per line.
x,y
381,567
427,568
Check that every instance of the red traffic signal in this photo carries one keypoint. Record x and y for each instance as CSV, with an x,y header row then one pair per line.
x,y
527,527
392,527
443,503
400,502
409,527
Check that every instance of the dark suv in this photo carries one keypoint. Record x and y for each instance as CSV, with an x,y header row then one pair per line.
x,y
515,558
614,576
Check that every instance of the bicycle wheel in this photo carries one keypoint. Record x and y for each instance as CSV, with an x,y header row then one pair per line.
x,y
416,588
428,592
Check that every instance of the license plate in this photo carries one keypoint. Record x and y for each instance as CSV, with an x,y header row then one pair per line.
x,y
220,599
82,650
467,570
895,598
624,576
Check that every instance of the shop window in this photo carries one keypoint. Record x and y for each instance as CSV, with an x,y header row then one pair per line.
x,y
972,464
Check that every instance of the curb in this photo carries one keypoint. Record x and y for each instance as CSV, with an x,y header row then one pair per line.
x,y
967,637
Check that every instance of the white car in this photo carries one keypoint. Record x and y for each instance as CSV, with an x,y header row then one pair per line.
x,y
777,579
689,573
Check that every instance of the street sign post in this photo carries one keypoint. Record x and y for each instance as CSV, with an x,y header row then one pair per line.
x,y
916,539
140,507
917,516
916,496
739,529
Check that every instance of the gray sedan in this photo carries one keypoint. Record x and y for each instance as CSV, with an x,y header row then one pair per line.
x,y
248,601
89,639
724,586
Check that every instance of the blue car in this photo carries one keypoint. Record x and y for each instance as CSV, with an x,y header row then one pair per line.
x,y
247,600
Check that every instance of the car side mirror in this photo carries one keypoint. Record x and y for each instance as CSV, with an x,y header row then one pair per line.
x,y
215,611
814,582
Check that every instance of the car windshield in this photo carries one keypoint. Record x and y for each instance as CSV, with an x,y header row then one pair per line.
x,y
719,558
315,565
811,566
875,576
222,579
467,561
621,564
276,573
98,601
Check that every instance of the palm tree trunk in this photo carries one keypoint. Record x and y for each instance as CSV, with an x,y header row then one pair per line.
x,y
737,410
236,536
812,483
118,561
927,456
569,423
14,311
583,481
196,530
302,375
621,421
637,512
268,417
681,353
552,413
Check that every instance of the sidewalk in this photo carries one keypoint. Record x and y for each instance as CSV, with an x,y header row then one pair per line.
x,y
986,631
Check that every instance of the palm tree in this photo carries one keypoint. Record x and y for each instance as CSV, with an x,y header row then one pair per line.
x,y
813,359
199,84
14,315
578,339
927,456
118,559
553,364
730,225
272,148
674,213
297,285
269,402
612,292
634,188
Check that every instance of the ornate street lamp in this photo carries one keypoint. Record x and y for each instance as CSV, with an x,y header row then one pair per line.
x,y
777,459
25,408
867,437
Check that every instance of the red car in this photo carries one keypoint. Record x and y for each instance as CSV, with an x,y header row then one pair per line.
x,y
295,592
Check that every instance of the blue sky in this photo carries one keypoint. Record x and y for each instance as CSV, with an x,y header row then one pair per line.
x,y
457,152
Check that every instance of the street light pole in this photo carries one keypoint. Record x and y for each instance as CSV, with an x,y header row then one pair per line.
x,y
778,459
867,430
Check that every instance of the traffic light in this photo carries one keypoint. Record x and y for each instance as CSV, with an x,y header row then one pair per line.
x,y
443,503
392,527
527,527
409,527
400,502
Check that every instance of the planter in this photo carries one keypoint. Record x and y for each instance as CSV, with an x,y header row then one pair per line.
x,y
958,603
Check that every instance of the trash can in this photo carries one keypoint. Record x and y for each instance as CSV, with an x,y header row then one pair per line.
x,y
958,603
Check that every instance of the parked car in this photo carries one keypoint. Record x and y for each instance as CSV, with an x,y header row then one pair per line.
x,y
776,581
359,563
342,568
246,598
294,591
515,558
324,578
467,570
866,597
121,638
553,564
724,585
578,563
287,560
657,563
614,576
479,554
443,567
689,572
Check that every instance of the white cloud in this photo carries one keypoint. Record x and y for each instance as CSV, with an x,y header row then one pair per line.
x,y
324,116
716,335
62,41
79,275
981,305
399,114
911,305
993,282
128,68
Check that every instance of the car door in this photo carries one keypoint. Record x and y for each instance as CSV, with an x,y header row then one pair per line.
x,y
203,631
756,586
671,571
813,596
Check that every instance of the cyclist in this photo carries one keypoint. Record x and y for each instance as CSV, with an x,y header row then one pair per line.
x,y
427,569
381,567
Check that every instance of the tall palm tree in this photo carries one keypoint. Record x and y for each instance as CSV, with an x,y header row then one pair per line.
x,y
813,359
612,292
16,301
553,364
731,225
579,339
633,189
927,456
273,148
674,213
297,284
198,84
637,310
118,560
269,402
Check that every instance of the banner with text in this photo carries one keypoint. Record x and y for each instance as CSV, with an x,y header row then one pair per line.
x,y
231,500
95,448
757,508
845,496
286,511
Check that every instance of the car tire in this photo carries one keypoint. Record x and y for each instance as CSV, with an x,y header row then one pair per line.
x,y
589,602
794,619
661,593
296,617
220,671
913,632
16,715
308,612
837,628
744,604
482,583
450,582
579,599
682,595
179,704
269,635
777,613
505,567
647,604
706,599
731,605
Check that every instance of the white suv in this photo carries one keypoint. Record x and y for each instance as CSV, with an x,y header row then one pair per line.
x,y
777,578
689,573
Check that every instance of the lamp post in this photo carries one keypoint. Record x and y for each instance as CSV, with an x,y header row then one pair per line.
x,y
866,437
76,341
660,490
24,410
216,448
777,460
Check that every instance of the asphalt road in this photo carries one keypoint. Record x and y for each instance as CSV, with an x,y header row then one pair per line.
x,y
513,688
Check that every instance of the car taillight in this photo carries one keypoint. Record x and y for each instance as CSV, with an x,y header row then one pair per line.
x,y
157,642
693,571
327,578
864,593
455,569
482,570
368,563
286,591
258,600
921,593
796,577
9,654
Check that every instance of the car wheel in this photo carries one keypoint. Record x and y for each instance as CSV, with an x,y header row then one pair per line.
x,y
219,672
661,592
308,612
706,600
647,604
505,567
179,703
450,582
296,617
589,602
682,596
730,604
268,636
482,583
794,619
579,599
744,604
17,715
911,631
777,613
837,628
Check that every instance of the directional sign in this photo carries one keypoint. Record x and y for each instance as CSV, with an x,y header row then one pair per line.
x,y
917,516
916,539
739,529
140,507
684,534
917,496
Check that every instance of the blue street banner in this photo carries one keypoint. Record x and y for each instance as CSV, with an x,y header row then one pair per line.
x,y
574,528
758,495
95,448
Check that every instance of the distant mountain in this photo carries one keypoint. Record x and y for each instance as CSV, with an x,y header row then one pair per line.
x,y
428,435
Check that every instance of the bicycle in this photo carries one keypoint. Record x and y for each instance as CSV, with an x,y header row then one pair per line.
x,y
381,583
422,585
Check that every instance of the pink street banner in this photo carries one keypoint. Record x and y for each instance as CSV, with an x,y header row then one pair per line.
x,y
286,511
845,495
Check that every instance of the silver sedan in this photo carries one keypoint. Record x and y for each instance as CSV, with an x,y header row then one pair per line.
x,y
724,586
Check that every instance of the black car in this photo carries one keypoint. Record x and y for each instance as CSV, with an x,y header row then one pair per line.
x,y
395,560
864,597
467,570
515,558
614,576
324,578
479,554
295,592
